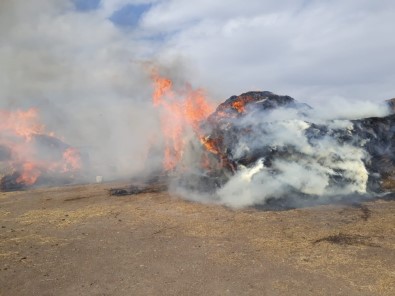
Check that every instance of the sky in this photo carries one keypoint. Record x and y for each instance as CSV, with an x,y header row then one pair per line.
x,y
311,50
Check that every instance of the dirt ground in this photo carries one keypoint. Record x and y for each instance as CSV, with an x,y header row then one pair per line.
x,y
78,240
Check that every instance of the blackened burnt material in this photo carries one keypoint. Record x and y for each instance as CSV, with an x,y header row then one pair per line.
x,y
10,183
379,135
243,130
153,184
253,101
391,104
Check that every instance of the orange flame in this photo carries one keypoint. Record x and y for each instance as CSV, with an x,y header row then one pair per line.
x,y
181,111
209,144
21,123
17,129
240,103
29,174
163,86
239,106
72,160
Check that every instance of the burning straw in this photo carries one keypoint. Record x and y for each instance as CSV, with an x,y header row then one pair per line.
x,y
259,148
29,155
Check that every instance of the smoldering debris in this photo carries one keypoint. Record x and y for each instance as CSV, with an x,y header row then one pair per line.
x,y
347,239
138,189
10,182
37,159
273,150
391,104
151,184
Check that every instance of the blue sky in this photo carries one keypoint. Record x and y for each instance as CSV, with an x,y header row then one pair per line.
x,y
85,5
127,16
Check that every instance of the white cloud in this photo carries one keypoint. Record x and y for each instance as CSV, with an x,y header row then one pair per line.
x,y
311,50
308,49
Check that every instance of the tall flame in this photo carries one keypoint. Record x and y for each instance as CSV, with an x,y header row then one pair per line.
x,y
181,112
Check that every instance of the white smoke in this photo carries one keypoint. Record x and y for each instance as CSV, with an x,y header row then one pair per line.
x,y
85,77
308,168
341,108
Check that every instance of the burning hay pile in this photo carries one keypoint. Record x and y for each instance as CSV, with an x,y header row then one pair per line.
x,y
254,149
260,148
31,156
273,147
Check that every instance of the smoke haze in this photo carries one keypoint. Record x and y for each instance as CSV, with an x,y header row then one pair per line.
x,y
84,76
87,71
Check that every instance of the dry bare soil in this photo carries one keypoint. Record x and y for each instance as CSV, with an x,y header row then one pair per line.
x,y
78,240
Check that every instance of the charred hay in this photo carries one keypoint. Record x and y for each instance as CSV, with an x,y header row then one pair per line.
x,y
231,127
10,183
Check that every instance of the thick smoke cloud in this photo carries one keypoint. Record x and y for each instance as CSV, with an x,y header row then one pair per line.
x,y
87,75
303,157
84,75
309,169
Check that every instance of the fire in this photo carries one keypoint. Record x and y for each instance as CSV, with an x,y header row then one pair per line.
x,y
29,174
30,150
181,112
240,103
162,86
20,123
209,144
239,106
72,160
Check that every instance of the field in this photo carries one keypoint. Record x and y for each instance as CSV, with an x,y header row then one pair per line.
x,y
79,240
